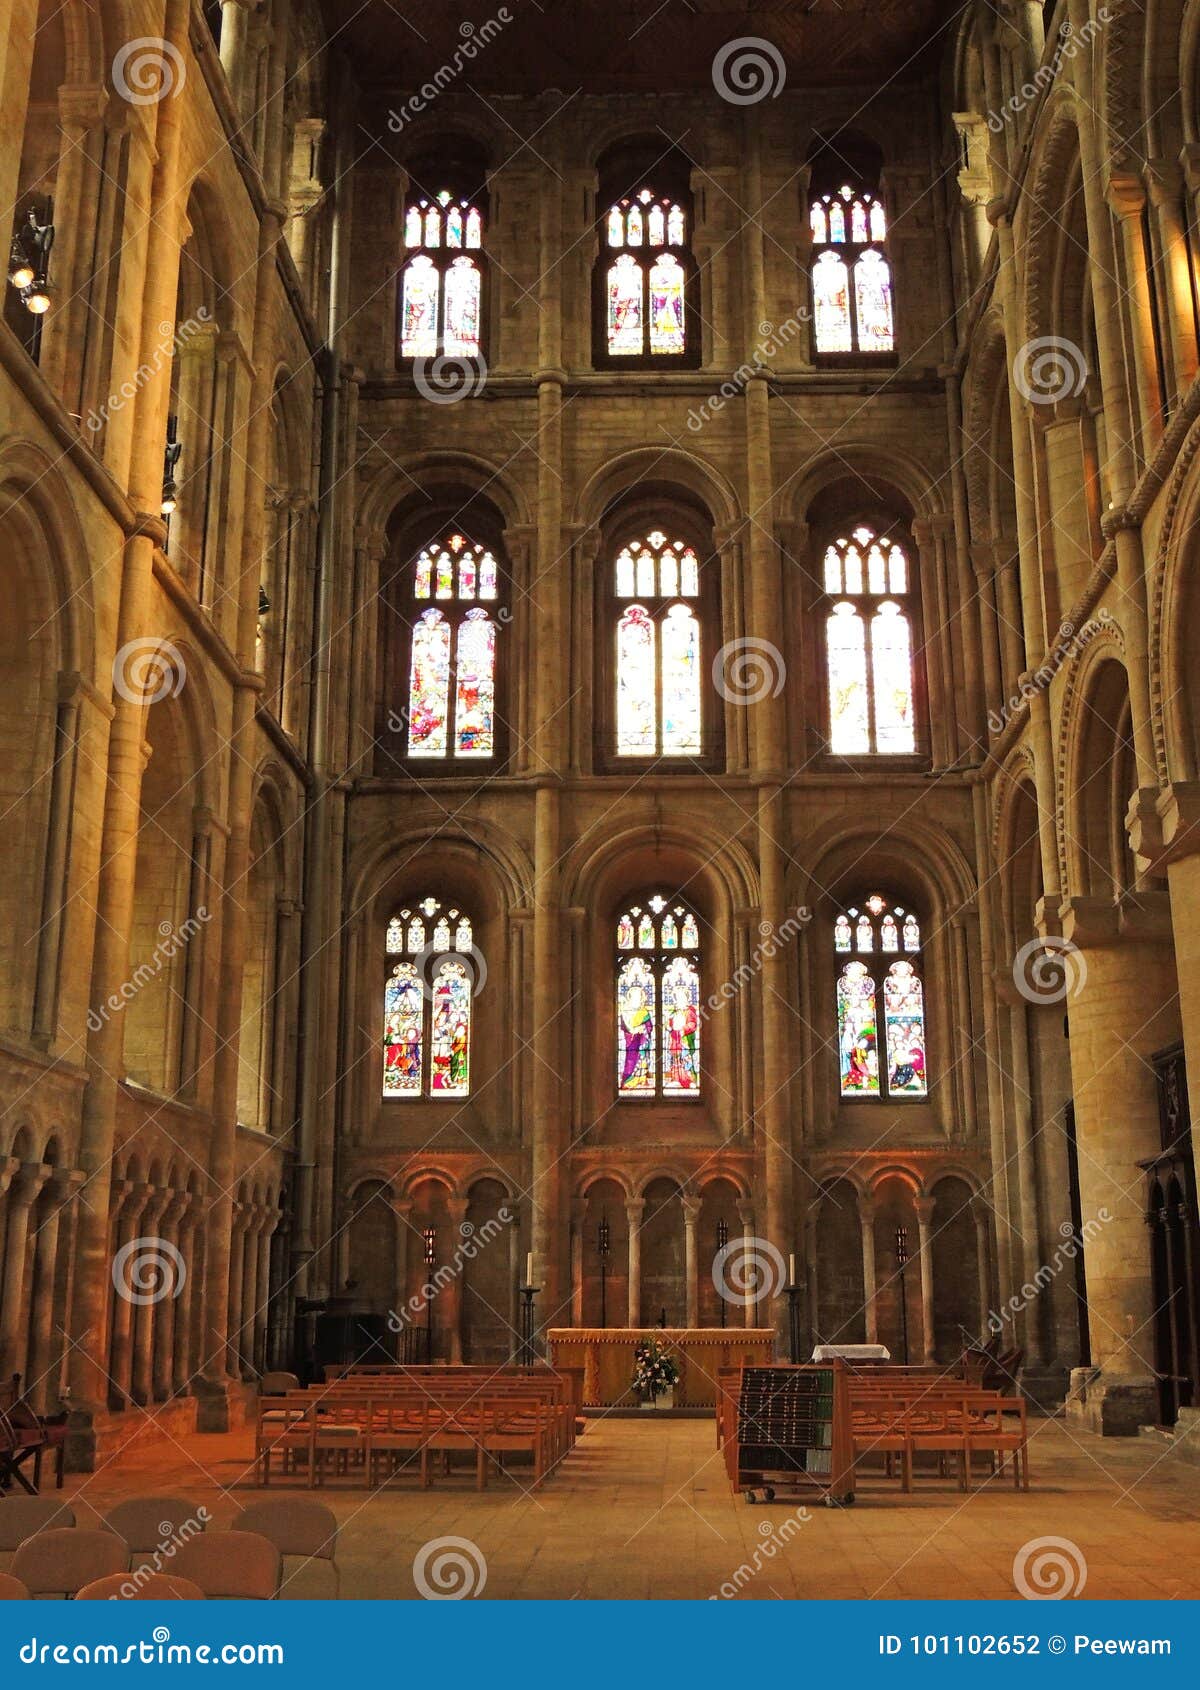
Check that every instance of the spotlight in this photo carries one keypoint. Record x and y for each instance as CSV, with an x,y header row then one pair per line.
x,y
29,260
171,456
37,299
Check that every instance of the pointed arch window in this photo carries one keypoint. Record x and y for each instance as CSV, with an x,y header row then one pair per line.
x,y
427,1002
658,999
869,645
658,648
645,282
851,277
441,279
877,946
450,713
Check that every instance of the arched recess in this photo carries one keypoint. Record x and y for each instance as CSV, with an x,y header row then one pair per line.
x,y
837,1263
1174,614
604,874
957,1316
991,493
47,659
664,1288
372,1255
718,1223
202,408
285,608
604,1253
925,873
165,1029
1099,777
489,1243
429,1317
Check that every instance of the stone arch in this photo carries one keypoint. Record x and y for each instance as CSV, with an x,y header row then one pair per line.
x,y
664,467
1173,593
1097,774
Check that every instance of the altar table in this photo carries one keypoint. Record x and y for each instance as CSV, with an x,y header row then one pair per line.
x,y
606,1356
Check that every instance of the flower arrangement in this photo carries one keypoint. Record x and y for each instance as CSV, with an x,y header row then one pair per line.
x,y
654,1372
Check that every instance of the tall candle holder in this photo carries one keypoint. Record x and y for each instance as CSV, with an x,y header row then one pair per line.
x,y
527,1354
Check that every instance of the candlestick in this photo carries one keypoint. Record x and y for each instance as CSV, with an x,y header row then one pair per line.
x,y
791,1270
529,1268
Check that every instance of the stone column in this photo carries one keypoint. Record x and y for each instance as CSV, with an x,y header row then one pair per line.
x,y
966,1021
924,1208
148,1299
155,148
456,1209
16,71
231,1324
691,1214
190,1230
1123,1007
131,1202
1127,200
633,1209
866,1218
752,1313
262,1308
54,890
1165,184
40,1364
401,1208
246,1323
14,1317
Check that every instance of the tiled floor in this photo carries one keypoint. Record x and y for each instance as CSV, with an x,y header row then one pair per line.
x,y
644,1509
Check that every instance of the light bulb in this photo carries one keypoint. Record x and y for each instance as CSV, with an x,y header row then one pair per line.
x,y
22,276
38,301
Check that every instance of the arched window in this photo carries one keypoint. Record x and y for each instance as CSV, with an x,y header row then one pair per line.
x,y
851,276
878,950
658,1000
441,281
658,656
869,645
646,278
427,1002
450,714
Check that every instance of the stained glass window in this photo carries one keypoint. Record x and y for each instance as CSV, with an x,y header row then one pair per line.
x,y
851,276
658,649
646,284
658,1000
441,296
901,1071
452,671
869,647
427,1002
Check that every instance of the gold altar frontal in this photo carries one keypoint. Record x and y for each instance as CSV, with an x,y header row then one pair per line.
x,y
606,1356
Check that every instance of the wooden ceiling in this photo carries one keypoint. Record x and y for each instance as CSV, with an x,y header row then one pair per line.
x,y
610,46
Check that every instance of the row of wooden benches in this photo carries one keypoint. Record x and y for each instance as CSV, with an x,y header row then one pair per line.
x,y
367,1429
900,1414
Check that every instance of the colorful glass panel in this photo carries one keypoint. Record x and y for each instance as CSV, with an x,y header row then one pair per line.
x,y
831,304
415,937
412,226
904,1019
625,932
636,1068
616,227
891,665
429,686
423,584
666,305
876,569
841,934
462,308
395,935
873,303
912,933
858,222
864,934
833,571
433,227
625,575
680,1014
445,575
454,226
645,930
489,577
656,226
636,684
889,934
675,226
669,933
691,933
681,681
403,1011
878,222
474,228
858,1046
624,307
847,660
467,574
837,222
633,226
475,698
419,309
818,223
689,582
450,1032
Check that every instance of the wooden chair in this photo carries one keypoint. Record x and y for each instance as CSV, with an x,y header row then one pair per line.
x,y
1000,1428
61,1560
275,1384
304,1532
11,1589
126,1587
154,1526
230,1565
22,1516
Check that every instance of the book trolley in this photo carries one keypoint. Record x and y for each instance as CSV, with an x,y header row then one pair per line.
x,y
793,1432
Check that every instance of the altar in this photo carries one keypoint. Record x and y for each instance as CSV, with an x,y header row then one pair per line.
x,y
606,1356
